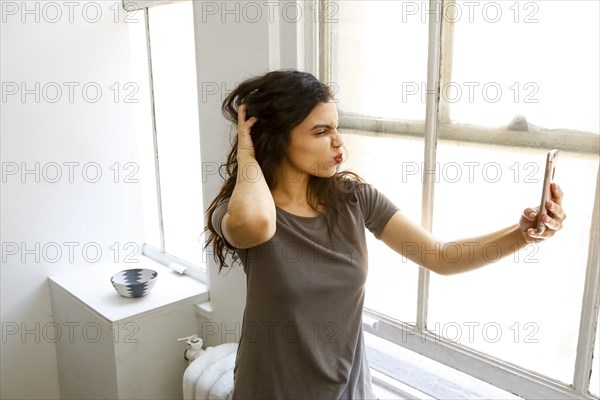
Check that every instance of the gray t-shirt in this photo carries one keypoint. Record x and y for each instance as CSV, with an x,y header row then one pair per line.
x,y
302,329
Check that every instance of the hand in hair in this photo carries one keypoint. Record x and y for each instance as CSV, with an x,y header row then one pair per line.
x,y
250,217
245,144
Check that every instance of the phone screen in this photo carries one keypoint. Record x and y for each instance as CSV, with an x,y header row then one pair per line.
x,y
551,159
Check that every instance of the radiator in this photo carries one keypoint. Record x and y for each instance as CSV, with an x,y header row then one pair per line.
x,y
210,376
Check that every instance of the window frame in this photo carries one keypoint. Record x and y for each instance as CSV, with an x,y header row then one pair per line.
x,y
507,376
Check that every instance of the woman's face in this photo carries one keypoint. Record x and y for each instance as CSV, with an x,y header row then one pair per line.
x,y
315,144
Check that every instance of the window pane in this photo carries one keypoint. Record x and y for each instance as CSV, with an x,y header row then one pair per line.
x,y
141,103
379,60
524,308
538,59
387,162
174,70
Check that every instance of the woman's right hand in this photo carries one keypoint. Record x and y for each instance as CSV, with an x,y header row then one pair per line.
x,y
245,144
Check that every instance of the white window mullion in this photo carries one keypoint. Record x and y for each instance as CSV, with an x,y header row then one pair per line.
x,y
309,42
274,32
590,303
431,125
562,139
326,45
447,48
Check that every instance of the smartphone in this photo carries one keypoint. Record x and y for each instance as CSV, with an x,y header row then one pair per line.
x,y
551,159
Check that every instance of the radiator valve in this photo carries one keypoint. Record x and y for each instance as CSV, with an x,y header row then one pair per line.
x,y
194,347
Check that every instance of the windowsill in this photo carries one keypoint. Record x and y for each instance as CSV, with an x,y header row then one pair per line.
x,y
409,375
92,287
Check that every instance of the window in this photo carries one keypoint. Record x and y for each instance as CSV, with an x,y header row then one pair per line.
x,y
168,136
510,81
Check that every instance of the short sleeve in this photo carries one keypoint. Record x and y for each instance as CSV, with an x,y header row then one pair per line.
x,y
217,217
376,208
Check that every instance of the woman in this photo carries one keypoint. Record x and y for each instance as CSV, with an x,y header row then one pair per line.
x,y
297,226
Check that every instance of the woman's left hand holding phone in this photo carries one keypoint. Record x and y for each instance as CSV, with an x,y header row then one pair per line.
x,y
553,221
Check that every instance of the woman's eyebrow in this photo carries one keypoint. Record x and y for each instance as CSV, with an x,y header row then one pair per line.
x,y
320,126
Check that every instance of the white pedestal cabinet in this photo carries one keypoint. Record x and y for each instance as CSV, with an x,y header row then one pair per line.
x,y
112,347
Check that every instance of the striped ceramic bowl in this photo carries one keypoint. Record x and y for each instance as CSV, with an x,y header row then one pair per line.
x,y
134,282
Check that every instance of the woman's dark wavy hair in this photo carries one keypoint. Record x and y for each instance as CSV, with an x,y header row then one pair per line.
x,y
280,100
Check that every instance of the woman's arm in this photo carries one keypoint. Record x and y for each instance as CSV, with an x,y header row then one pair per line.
x,y
250,218
447,258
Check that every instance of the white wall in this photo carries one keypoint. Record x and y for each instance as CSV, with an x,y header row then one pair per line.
x,y
82,47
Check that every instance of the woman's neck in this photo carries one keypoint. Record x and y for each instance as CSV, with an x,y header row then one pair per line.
x,y
291,192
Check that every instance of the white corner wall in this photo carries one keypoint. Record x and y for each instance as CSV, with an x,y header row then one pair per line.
x,y
59,127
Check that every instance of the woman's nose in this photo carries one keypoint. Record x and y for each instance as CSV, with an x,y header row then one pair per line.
x,y
337,140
